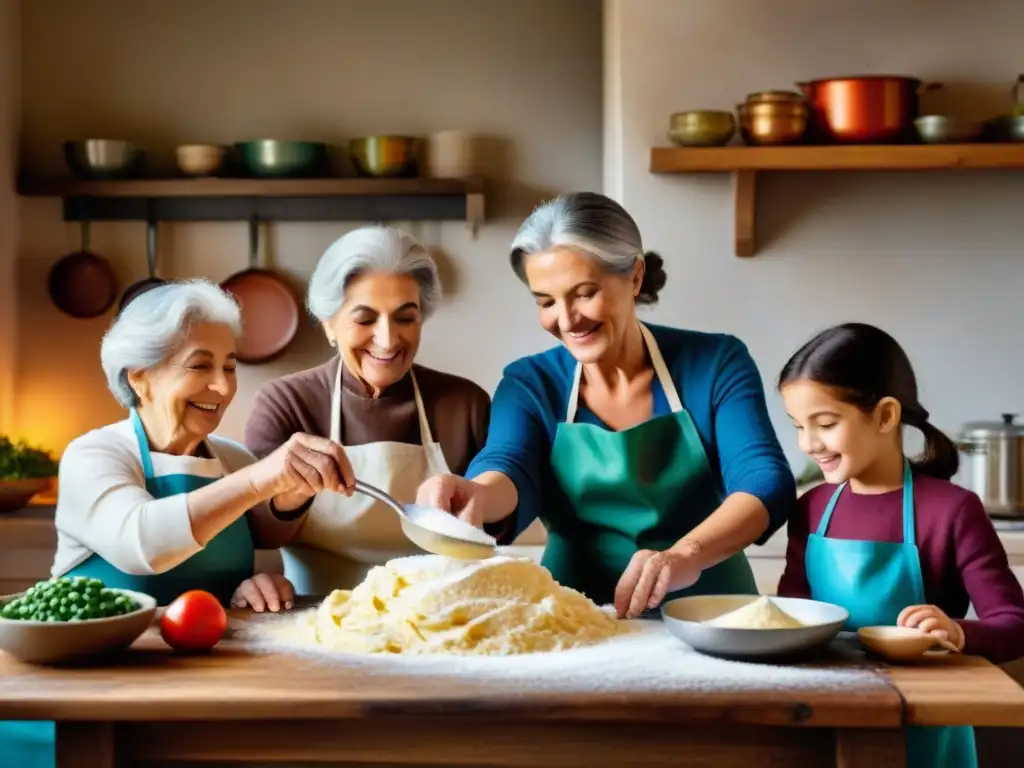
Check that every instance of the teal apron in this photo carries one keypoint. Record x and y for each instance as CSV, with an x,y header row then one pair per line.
x,y
874,581
645,487
224,563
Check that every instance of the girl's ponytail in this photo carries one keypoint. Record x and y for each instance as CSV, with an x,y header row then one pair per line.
x,y
941,457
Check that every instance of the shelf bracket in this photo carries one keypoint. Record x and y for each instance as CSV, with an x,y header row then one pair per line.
x,y
745,193
474,212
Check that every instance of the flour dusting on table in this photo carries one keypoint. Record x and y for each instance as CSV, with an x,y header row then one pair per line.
x,y
644,658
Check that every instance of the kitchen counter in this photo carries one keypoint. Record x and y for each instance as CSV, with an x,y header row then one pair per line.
x,y
236,705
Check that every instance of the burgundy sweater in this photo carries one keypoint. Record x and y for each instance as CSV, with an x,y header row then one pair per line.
x,y
962,559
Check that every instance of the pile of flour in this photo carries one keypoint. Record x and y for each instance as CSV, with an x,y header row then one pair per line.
x,y
430,604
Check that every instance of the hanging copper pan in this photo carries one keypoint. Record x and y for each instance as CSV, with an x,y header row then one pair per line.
x,y
83,284
143,285
270,308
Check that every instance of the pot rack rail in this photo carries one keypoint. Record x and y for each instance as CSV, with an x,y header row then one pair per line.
x,y
219,199
746,163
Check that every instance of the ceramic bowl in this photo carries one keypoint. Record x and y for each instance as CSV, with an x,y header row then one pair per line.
x,y
44,642
902,644
200,159
686,618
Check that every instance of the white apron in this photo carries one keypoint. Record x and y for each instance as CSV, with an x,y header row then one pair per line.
x,y
342,538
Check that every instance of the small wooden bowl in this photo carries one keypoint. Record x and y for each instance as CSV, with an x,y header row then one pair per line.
x,y
902,644
16,494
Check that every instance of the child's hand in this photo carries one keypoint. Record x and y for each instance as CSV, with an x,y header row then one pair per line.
x,y
932,620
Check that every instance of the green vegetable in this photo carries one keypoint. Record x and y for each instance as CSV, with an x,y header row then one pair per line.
x,y
20,461
68,599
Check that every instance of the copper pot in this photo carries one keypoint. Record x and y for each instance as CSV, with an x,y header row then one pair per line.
x,y
875,109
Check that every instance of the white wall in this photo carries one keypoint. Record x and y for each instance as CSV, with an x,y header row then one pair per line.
x,y
525,74
934,258
9,105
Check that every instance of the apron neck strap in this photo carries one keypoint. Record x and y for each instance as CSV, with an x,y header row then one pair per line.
x,y
909,527
140,435
426,437
144,451
660,370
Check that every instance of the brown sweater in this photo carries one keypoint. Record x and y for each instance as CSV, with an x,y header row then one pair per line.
x,y
457,410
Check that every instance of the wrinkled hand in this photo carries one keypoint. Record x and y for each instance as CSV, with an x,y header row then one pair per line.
x,y
933,621
456,495
649,577
302,467
264,591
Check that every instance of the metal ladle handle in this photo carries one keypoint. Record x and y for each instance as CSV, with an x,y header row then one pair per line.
x,y
379,495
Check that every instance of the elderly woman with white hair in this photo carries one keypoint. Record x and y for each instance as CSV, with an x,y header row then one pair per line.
x,y
400,422
646,451
158,503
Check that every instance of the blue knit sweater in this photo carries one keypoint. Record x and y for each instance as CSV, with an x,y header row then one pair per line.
x,y
719,386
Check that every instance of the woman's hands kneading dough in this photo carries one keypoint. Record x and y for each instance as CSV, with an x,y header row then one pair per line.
x,y
650,576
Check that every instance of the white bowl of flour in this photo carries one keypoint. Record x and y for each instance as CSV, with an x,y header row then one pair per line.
x,y
752,626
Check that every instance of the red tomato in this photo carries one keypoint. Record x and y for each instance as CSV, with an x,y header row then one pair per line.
x,y
195,621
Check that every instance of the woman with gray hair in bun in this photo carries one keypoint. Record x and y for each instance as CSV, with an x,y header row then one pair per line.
x,y
646,451
159,503
400,423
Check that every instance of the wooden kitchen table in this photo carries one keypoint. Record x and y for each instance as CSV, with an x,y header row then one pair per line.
x,y
233,705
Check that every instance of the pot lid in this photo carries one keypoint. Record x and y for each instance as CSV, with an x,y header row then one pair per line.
x,y
1006,427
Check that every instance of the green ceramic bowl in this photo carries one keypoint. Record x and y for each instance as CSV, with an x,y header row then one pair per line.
x,y
283,159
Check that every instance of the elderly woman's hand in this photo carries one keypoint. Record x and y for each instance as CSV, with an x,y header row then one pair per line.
x,y
302,467
650,576
264,591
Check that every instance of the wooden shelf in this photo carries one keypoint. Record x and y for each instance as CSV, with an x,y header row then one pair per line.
x,y
746,162
212,199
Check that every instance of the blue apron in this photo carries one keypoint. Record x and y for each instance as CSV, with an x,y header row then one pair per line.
x,y
225,562
874,581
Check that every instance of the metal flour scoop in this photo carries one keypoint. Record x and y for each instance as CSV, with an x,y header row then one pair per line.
x,y
435,530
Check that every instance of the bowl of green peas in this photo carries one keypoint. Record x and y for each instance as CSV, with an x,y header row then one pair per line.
x,y
70,618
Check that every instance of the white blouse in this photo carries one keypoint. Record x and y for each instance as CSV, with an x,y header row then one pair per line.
x,y
103,506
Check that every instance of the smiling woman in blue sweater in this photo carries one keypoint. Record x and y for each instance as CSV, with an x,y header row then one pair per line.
x,y
646,451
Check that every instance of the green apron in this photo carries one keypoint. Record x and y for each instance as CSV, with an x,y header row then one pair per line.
x,y
874,581
224,563
645,487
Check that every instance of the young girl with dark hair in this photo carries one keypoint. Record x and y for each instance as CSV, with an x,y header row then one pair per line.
x,y
892,540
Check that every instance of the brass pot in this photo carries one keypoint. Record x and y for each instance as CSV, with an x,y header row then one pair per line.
x,y
772,124
702,128
775,97
773,109
386,156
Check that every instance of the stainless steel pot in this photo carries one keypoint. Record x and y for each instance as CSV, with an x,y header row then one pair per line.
x,y
995,464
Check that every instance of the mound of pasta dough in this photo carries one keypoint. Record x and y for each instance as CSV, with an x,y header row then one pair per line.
x,y
428,604
762,613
